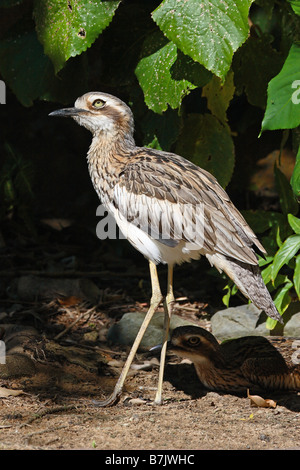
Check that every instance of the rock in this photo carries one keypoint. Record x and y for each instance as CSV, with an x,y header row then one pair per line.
x,y
125,331
30,288
245,320
248,320
15,360
292,327
17,336
91,336
17,365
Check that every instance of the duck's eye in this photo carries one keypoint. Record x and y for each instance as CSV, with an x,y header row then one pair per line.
x,y
194,341
98,103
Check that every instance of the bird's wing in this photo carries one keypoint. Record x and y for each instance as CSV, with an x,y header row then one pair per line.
x,y
172,199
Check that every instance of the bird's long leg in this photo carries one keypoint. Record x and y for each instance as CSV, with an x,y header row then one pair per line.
x,y
168,307
155,301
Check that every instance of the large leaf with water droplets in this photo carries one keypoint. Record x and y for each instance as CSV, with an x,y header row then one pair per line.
x,y
209,31
208,143
66,28
154,74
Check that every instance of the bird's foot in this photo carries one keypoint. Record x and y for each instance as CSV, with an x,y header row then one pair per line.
x,y
110,401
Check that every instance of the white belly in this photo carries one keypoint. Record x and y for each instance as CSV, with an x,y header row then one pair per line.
x,y
153,249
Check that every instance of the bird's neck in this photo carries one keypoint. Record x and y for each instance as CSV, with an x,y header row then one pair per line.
x,y
217,373
107,157
109,151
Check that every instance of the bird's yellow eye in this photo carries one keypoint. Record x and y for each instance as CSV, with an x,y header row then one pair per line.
x,y
98,103
194,341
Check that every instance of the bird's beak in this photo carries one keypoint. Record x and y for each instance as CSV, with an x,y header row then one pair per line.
x,y
68,112
158,347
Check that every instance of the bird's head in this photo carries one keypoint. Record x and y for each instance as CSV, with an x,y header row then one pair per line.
x,y
100,113
194,343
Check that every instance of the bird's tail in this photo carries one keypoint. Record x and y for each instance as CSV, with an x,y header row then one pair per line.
x,y
281,381
291,380
247,278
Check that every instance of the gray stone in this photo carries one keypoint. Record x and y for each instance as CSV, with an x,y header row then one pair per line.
x,y
248,320
292,327
125,331
17,365
244,320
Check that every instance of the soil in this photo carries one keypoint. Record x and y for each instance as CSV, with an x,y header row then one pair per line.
x,y
74,365
57,410
64,417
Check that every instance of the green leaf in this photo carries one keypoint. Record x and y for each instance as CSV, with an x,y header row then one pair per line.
x,y
295,179
270,323
282,300
286,196
280,279
165,127
296,277
67,28
219,95
260,221
154,144
294,223
278,239
263,261
30,73
24,66
263,17
186,68
267,274
231,290
287,250
154,76
209,31
295,4
226,297
283,104
254,65
207,143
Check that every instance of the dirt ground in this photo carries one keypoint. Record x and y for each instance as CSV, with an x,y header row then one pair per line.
x,y
50,405
57,411
58,419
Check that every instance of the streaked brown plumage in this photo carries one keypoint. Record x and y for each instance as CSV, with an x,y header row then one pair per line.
x,y
249,362
168,208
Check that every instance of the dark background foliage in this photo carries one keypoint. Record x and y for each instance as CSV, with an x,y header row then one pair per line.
x,y
179,105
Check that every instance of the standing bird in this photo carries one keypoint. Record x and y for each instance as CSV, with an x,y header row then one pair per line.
x,y
249,362
168,208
